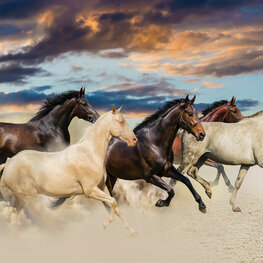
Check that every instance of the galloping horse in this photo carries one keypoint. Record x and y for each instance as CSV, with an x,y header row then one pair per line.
x,y
228,143
219,111
80,168
48,129
152,157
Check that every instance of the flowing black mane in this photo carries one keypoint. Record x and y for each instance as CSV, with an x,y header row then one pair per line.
x,y
150,119
50,103
216,104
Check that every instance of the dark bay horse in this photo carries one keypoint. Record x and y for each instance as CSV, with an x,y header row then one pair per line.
x,y
152,158
48,129
219,111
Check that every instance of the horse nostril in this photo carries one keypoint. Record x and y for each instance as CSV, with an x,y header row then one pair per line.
x,y
202,135
135,139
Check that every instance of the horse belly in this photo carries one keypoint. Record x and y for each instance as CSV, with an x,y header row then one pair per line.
x,y
232,154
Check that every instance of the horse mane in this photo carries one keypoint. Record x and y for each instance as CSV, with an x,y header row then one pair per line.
x,y
148,121
215,105
50,103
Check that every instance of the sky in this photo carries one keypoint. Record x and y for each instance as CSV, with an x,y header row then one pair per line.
x,y
138,54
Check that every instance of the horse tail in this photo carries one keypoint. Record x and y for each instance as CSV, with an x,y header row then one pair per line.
x,y
57,202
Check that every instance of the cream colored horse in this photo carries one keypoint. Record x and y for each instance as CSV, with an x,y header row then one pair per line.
x,y
227,143
79,169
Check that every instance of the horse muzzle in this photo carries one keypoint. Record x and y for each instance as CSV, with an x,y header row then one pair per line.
x,y
201,136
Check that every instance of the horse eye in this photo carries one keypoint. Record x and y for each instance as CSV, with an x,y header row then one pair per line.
x,y
190,114
234,111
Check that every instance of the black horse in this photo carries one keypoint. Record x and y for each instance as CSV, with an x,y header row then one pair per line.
x,y
48,129
152,158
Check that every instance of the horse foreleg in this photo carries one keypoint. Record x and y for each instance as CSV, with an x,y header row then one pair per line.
x,y
158,181
100,195
242,173
178,176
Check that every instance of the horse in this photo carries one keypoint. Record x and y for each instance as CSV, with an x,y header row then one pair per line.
x,y
48,129
152,157
228,143
79,168
219,111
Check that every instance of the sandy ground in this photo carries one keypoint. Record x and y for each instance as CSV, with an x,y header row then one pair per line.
x,y
179,233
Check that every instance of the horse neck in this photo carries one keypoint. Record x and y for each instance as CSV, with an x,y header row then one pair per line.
x,y
167,127
62,115
99,135
217,115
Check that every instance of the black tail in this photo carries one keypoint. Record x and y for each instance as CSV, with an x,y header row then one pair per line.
x,y
58,202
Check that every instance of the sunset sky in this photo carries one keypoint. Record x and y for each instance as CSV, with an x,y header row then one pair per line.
x,y
136,53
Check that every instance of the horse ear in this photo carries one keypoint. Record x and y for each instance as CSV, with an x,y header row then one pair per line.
x,y
118,110
84,89
80,92
192,100
233,100
113,109
186,100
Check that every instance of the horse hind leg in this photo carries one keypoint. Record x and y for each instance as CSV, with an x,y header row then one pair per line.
x,y
100,195
242,173
193,172
178,176
220,170
159,182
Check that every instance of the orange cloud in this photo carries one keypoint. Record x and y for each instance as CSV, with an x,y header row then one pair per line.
x,y
212,85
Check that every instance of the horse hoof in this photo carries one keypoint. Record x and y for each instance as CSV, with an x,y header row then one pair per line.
x,y
236,209
161,203
202,208
209,194
105,224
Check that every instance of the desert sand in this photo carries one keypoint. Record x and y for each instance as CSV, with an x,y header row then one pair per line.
x,y
179,233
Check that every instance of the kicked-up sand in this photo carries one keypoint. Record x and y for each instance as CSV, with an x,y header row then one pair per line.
x,y
179,233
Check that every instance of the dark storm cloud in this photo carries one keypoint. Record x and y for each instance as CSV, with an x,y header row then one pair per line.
x,y
16,73
17,9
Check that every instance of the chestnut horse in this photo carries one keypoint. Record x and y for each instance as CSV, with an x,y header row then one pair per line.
x,y
219,111
48,129
152,158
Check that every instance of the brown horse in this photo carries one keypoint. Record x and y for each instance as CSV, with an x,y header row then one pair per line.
x,y
48,129
152,158
219,111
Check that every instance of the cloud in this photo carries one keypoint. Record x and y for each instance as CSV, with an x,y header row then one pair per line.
x,y
245,104
42,88
16,73
212,85
21,97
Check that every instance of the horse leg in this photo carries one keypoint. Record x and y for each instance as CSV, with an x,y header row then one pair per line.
x,y
110,182
178,176
242,173
193,172
100,195
220,170
158,181
182,169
